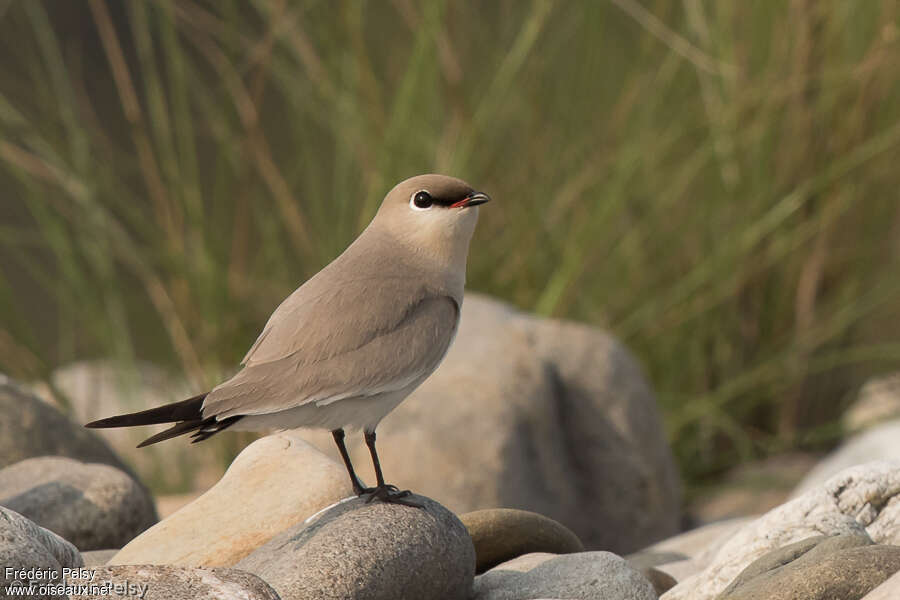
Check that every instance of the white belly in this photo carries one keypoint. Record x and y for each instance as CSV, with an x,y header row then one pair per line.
x,y
350,413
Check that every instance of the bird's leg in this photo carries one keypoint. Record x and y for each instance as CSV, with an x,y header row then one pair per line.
x,y
358,488
383,491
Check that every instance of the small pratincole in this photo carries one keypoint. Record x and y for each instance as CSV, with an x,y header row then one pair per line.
x,y
357,338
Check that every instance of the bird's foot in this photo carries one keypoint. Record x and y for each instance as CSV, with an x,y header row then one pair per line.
x,y
390,494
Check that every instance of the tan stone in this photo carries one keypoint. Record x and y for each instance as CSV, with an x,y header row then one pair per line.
x,y
275,483
501,534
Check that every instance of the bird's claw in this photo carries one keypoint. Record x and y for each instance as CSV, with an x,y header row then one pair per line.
x,y
390,494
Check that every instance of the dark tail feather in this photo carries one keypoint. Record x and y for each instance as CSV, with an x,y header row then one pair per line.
x,y
174,431
187,416
202,428
186,410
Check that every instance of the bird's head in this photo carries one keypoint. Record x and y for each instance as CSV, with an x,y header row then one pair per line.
x,y
435,214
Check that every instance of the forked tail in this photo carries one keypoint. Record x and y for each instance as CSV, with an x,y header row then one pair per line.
x,y
187,416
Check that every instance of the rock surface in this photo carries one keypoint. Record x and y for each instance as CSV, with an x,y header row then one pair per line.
x,y
30,427
370,550
697,547
820,568
25,545
94,506
156,582
880,442
541,415
586,575
501,534
98,558
860,500
275,483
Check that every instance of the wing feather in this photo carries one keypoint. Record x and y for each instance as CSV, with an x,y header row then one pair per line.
x,y
355,357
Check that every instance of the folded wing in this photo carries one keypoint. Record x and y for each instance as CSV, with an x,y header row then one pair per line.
x,y
341,342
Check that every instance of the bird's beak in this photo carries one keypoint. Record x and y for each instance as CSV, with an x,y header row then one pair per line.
x,y
473,199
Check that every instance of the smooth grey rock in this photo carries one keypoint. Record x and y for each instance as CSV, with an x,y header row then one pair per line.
x,y
273,484
820,568
525,562
501,534
30,427
94,506
370,550
642,562
547,416
165,582
861,500
585,575
98,558
27,546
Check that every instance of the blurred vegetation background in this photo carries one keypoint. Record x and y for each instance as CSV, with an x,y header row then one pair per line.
x,y
716,183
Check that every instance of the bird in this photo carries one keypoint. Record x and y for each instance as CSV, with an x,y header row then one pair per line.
x,y
353,341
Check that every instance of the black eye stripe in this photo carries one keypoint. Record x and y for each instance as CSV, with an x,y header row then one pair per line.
x,y
424,199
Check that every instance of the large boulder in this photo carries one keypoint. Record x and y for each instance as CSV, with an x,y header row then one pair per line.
x,y
275,483
374,551
585,575
157,582
862,500
29,554
547,416
94,506
30,427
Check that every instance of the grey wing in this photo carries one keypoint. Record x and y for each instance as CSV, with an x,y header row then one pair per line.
x,y
389,356
326,317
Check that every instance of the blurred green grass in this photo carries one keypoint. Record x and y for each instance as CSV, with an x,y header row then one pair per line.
x,y
716,183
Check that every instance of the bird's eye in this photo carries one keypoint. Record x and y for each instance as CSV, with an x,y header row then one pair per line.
x,y
421,200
